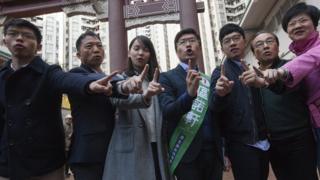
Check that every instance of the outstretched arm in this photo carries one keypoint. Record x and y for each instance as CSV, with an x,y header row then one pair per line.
x,y
302,65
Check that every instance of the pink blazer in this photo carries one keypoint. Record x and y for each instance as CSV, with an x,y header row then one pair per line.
x,y
305,69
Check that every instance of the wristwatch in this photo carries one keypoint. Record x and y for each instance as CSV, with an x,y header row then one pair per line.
x,y
284,74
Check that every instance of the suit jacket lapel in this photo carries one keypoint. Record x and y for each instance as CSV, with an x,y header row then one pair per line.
x,y
181,72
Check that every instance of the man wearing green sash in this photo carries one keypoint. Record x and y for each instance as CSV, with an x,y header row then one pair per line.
x,y
193,150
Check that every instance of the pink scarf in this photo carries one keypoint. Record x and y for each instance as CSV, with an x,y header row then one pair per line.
x,y
302,46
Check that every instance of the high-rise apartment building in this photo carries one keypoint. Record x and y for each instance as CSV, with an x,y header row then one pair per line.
x,y
4,53
52,44
235,10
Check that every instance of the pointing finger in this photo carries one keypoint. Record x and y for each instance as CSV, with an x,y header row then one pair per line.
x,y
108,78
112,75
156,75
222,72
144,73
244,65
189,64
258,71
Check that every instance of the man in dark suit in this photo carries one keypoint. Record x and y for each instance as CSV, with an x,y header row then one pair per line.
x,y
93,116
32,142
201,160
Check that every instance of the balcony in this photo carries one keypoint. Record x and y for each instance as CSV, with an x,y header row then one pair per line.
x,y
235,13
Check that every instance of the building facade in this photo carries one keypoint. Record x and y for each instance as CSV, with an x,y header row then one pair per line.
x,y
60,34
4,53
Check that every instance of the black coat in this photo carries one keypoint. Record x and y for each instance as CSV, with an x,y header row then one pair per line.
x,y
241,113
32,137
93,119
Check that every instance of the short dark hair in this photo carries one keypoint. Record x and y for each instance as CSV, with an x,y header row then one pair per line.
x,y
153,62
183,32
83,35
23,23
228,29
262,32
312,11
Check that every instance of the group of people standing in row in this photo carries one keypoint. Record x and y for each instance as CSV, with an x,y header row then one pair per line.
x,y
180,124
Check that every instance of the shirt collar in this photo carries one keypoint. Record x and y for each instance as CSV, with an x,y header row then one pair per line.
x,y
19,68
186,66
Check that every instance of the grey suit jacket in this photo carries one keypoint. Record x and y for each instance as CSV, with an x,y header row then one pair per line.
x,y
130,154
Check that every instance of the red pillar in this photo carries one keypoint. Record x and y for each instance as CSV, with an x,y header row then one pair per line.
x,y
117,36
189,19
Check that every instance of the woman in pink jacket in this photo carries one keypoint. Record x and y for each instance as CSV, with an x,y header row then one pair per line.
x,y
300,22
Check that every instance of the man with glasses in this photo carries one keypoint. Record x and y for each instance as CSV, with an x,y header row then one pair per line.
x,y
243,123
292,151
32,138
201,160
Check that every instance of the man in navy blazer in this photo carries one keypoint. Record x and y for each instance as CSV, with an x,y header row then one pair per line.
x,y
201,160
32,137
93,116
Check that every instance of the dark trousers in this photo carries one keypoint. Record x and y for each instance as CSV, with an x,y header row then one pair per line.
x,y
66,166
156,160
66,169
248,163
206,166
294,158
87,171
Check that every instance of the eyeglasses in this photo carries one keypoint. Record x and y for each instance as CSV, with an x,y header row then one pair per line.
x,y
185,41
24,35
235,39
260,44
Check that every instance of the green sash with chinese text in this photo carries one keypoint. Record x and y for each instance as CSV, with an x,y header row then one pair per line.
x,y
189,124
